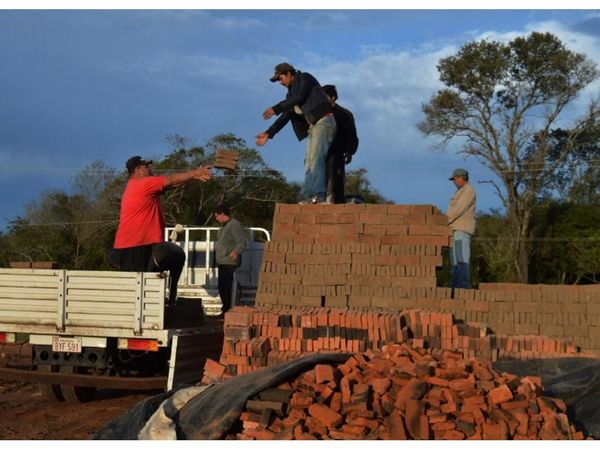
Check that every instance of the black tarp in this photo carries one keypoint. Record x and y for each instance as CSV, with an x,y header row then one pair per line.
x,y
211,414
574,380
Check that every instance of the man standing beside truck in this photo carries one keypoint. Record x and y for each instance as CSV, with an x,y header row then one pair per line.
x,y
229,247
139,244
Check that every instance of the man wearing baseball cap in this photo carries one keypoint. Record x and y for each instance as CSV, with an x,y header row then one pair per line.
x,y
139,245
461,219
306,105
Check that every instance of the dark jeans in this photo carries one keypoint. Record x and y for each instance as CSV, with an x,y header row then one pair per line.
x,y
460,276
226,285
152,258
336,174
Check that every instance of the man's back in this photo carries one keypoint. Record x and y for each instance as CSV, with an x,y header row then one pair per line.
x,y
141,220
346,139
461,211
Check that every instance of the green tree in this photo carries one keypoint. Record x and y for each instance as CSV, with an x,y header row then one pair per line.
x,y
77,228
502,102
251,190
73,229
577,180
357,184
567,243
492,251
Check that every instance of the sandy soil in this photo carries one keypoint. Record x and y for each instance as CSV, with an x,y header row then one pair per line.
x,y
25,415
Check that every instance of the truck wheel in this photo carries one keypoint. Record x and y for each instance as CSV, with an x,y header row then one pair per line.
x,y
76,394
50,391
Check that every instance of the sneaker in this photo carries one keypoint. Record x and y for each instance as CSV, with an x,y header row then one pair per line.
x,y
312,201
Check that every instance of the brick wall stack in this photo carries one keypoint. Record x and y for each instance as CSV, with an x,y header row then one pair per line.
x,y
405,393
351,255
267,335
560,311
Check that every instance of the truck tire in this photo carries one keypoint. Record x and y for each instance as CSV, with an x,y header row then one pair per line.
x,y
50,392
76,394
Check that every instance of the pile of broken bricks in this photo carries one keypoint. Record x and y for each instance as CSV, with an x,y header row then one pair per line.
x,y
268,335
405,393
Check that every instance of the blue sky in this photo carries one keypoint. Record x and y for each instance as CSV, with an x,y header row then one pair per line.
x,y
77,86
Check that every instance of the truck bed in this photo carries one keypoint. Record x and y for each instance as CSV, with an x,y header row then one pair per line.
x,y
90,303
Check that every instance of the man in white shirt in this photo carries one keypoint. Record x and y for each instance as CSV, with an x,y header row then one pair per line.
x,y
461,218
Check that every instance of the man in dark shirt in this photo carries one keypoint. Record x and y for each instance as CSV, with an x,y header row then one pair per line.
x,y
342,148
307,107
228,250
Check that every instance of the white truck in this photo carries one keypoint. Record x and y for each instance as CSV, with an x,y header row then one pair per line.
x,y
110,329
199,278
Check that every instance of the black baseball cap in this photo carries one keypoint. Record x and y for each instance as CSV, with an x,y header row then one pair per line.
x,y
282,68
330,90
223,209
135,161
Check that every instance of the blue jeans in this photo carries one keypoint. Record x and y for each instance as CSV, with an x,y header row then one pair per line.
x,y
320,136
460,254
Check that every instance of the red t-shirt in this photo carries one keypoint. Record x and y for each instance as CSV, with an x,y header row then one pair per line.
x,y
141,221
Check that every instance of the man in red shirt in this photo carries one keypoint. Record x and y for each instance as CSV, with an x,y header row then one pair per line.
x,y
139,245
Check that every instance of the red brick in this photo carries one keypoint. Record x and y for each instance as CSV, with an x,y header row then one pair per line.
x,y
454,435
398,209
20,265
316,427
417,422
419,230
394,423
336,402
380,385
414,219
363,421
461,384
213,369
500,394
358,430
422,209
325,415
239,318
323,373
495,432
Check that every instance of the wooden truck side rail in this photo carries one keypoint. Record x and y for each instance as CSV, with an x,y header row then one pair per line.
x,y
98,303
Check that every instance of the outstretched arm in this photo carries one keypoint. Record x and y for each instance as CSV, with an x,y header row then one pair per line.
x,y
173,180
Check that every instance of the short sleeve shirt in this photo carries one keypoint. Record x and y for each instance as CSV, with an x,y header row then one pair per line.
x,y
141,221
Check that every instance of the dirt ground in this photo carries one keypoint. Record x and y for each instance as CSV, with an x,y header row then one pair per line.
x,y
25,415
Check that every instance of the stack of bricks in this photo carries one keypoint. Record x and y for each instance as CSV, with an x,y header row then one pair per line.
x,y
559,311
34,265
406,393
351,255
267,335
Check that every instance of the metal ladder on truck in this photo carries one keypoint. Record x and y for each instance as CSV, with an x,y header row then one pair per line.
x,y
199,276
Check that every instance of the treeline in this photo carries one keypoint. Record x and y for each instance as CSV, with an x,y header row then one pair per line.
x,y
77,228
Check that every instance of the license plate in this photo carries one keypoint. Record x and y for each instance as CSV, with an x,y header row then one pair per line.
x,y
66,344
